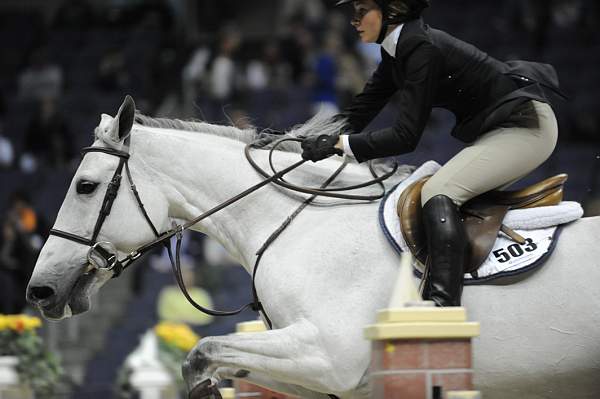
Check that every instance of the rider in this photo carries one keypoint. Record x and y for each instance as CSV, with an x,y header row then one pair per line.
x,y
501,110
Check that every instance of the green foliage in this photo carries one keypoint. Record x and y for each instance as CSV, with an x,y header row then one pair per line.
x,y
39,368
172,358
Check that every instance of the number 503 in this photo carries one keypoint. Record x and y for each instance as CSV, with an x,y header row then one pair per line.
x,y
503,255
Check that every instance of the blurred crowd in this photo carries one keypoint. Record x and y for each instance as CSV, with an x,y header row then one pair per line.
x,y
268,63
23,233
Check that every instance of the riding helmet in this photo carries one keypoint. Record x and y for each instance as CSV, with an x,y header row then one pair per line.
x,y
415,7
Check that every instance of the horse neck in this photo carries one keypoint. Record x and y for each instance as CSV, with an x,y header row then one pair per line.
x,y
198,171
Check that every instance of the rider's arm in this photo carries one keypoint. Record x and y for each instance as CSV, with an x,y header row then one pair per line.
x,y
374,96
422,68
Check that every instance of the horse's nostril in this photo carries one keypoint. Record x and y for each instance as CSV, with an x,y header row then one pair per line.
x,y
41,293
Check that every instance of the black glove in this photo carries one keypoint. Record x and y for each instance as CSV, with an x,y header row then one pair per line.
x,y
320,147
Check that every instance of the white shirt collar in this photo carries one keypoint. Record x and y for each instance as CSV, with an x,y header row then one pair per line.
x,y
391,41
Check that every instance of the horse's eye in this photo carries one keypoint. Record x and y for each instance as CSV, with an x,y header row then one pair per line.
x,y
86,187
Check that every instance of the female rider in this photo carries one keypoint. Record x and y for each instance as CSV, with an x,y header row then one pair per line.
x,y
501,111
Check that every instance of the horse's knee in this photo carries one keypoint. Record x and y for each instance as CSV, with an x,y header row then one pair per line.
x,y
199,358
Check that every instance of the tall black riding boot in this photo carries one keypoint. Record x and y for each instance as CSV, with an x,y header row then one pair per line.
x,y
447,245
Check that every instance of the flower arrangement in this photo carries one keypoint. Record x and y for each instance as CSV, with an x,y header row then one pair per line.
x,y
37,367
175,340
171,343
179,336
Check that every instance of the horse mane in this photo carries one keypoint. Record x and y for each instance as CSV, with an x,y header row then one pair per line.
x,y
321,123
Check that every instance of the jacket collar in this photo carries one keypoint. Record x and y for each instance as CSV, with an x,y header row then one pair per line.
x,y
410,31
390,43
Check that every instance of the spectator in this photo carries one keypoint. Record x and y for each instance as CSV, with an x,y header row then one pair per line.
x,y
7,152
351,78
325,75
311,11
112,72
223,71
194,76
297,47
20,243
41,78
48,139
270,71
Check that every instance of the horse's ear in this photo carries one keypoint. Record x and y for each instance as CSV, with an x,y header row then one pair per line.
x,y
124,119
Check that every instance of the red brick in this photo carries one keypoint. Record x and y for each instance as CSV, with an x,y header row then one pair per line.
x,y
449,354
399,355
453,381
400,386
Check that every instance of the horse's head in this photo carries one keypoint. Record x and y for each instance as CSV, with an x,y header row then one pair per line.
x,y
69,269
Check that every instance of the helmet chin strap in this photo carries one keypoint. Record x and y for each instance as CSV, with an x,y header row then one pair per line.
x,y
383,32
383,6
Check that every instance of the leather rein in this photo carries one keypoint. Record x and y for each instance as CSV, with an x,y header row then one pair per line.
x,y
104,255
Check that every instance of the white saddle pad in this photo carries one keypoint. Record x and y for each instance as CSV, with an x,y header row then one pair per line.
x,y
539,226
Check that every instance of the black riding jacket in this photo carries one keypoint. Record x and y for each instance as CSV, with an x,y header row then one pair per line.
x,y
434,69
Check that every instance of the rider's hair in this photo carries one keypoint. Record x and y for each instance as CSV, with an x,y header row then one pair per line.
x,y
397,9
405,10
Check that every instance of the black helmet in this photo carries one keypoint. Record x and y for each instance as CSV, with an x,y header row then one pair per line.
x,y
391,16
415,8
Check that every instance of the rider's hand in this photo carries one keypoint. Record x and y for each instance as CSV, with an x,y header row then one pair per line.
x,y
320,147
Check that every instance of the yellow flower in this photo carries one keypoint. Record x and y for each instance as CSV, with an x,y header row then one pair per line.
x,y
179,335
3,322
32,323
19,323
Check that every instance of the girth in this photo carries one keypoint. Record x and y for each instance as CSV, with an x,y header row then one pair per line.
x,y
482,216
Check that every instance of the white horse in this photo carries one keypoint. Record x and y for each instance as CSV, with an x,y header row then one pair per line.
x,y
323,279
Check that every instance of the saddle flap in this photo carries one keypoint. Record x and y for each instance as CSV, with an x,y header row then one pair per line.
x,y
482,224
409,212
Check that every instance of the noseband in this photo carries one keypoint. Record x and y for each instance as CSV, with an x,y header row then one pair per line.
x,y
109,257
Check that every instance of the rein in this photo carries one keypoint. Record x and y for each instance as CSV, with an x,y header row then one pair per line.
x,y
109,258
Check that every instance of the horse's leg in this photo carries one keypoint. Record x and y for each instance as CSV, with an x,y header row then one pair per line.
x,y
292,355
257,378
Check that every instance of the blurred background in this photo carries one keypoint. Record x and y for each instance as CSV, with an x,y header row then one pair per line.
x,y
264,63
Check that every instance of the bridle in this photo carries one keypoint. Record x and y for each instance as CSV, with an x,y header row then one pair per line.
x,y
99,257
110,258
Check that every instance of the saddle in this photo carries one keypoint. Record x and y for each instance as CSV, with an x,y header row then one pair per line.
x,y
482,216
